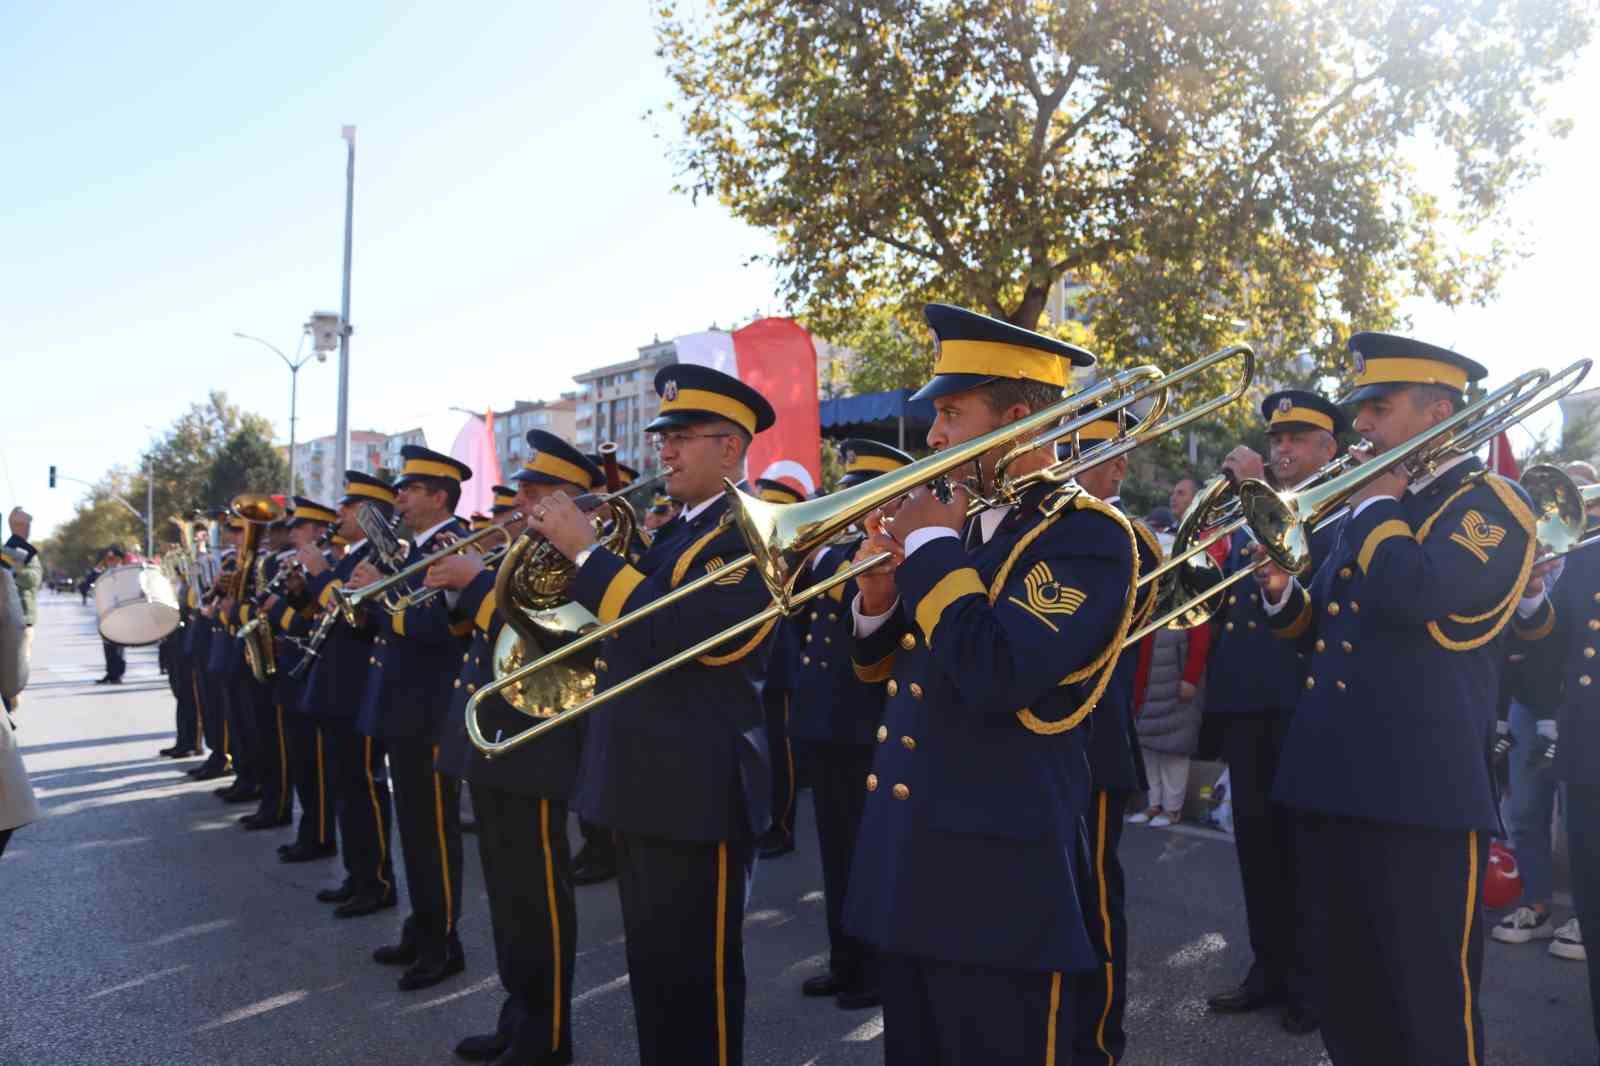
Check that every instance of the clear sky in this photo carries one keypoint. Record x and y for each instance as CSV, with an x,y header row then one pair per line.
x,y
174,173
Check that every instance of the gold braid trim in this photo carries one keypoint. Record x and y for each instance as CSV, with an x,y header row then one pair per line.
x,y
1301,623
1143,612
681,567
1107,659
872,673
1507,607
1531,630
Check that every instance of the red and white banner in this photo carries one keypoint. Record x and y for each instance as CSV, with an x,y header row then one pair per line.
x,y
475,446
775,357
1501,459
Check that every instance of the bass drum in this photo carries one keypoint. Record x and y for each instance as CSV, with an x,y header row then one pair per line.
x,y
136,604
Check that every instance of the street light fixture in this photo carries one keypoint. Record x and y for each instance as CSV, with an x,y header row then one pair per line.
x,y
294,366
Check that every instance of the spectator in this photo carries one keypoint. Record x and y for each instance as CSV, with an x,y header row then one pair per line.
x,y
1167,704
17,806
1183,493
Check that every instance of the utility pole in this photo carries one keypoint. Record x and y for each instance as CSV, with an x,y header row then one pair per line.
x,y
341,444
294,366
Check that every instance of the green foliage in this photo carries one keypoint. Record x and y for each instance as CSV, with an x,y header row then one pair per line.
x,y
100,521
1207,172
247,463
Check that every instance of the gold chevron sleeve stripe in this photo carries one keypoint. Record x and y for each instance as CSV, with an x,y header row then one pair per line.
x,y
951,587
617,592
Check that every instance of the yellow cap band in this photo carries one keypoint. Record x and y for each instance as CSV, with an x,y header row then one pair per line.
x,y
1400,371
314,514
504,499
1302,414
714,402
779,496
878,464
377,492
429,468
997,359
478,522
557,467
1104,429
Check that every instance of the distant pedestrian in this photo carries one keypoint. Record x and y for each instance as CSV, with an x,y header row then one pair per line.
x,y
1167,704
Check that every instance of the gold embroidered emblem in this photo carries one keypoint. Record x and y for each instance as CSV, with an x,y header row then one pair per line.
x,y
669,389
715,563
1285,405
1478,535
1047,596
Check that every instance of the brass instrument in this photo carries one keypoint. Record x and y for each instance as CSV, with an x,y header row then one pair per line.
x,y
352,600
1281,521
1560,510
257,511
781,537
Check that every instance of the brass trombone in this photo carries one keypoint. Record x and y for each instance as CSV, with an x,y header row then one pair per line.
x,y
782,536
352,600
1560,507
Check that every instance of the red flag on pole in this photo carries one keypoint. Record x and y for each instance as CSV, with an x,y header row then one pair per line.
x,y
1501,459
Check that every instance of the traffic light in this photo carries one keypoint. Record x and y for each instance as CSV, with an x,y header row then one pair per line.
x,y
52,477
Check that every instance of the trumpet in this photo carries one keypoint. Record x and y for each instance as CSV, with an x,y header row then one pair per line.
x,y
1281,521
352,600
781,537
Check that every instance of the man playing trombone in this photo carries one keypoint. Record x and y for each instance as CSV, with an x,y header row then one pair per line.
x,y
1386,759
994,638
678,767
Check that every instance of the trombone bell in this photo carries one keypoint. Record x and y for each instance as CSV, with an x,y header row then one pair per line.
x,y
1558,507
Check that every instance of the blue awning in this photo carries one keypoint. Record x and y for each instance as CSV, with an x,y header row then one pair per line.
x,y
877,416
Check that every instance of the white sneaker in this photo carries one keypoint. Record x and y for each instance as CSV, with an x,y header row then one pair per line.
x,y
1162,820
1568,943
1141,817
1522,925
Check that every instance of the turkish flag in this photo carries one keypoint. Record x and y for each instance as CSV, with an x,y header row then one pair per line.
x,y
1501,459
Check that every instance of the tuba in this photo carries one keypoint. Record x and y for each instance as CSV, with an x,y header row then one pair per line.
x,y
257,511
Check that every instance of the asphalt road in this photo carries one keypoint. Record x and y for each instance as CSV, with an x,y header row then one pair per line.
x,y
143,926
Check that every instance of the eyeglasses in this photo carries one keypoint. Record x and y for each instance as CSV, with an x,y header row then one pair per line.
x,y
678,439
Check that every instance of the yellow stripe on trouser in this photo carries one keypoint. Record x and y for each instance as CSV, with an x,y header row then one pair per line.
x,y
1466,943
788,753
555,925
1050,1023
1105,923
283,769
722,945
377,818
199,711
322,796
444,852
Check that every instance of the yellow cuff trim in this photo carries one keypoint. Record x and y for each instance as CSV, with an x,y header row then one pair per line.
x,y
1533,628
1302,621
326,596
397,622
486,611
951,587
1393,527
873,673
462,628
616,596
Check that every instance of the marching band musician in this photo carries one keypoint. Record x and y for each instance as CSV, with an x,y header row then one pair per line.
x,y
277,793
180,669
1556,628
293,618
332,697
994,639
520,799
1116,771
678,767
776,697
1253,683
406,699
224,660
1389,778
836,716
202,630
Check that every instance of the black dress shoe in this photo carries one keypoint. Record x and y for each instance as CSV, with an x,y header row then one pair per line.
x,y
823,984
778,849
401,954
343,894
171,753
299,853
594,872
427,972
1299,1019
256,821
858,997
209,773
1244,998
247,794
483,1047
363,905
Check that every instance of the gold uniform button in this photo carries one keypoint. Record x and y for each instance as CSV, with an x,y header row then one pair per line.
x,y
813,616
1597,597
1339,685
1251,625
472,688
1355,608
458,683
872,782
823,664
1333,608
600,665
1311,682
805,660
1321,645
808,638
1233,599
464,655
1588,653
883,733
1594,623
1229,627
827,640
1584,680
916,691
901,792
893,686
1345,573
1347,646
372,659
909,742
908,642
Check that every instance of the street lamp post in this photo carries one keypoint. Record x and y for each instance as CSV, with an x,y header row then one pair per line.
x,y
294,366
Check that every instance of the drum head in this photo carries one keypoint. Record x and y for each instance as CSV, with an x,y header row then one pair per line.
x,y
136,604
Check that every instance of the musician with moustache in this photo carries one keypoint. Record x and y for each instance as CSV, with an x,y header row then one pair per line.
x,y
1386,761
357,769
271,729
678,767
995,638
520,798
409,676
1254,682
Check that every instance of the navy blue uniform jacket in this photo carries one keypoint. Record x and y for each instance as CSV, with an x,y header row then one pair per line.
x,y
1402,624
338,678
832,705
1562,641
685,756
971,838
1114,760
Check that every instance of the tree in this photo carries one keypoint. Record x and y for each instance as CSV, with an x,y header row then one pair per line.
x,y
99,522
247,463
183,458
1207,172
